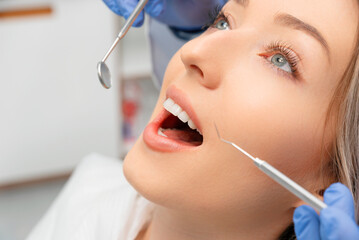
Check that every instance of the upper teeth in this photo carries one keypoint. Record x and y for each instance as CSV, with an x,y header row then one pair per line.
x,y
176,110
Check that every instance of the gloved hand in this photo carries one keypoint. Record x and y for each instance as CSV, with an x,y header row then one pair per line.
x,y
182,14
336,222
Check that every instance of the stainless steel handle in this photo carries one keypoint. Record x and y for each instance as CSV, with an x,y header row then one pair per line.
x,y
290,185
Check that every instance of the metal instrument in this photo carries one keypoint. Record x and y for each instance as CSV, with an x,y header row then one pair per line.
x,y
103,71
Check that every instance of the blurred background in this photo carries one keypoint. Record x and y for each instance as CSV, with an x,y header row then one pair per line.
x,y
53,109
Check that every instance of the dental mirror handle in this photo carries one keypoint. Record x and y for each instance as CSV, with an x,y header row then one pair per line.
x,y
130,20
290,185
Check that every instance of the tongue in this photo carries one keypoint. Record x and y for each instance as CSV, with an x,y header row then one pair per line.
x,y
184,135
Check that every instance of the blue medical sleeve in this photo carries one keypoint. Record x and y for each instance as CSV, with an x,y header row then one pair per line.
x,y
182,14
124,8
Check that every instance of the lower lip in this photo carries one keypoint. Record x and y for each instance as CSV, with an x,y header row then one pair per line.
x,y
160,143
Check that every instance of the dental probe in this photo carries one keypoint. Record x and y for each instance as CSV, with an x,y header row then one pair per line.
x,y
103,71
280,178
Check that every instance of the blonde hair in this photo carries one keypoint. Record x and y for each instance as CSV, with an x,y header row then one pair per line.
x,y
344,162
343,165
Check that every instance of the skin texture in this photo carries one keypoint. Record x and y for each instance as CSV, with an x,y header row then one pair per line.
x,y
213,191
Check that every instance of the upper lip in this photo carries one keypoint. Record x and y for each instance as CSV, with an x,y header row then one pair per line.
x,y
182,99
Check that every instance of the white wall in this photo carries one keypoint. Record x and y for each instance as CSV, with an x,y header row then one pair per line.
x,y
53,110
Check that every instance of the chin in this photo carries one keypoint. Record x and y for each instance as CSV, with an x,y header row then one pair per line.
x,y
155,178
141,174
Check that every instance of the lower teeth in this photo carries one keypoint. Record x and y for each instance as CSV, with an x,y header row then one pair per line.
x,y
159,132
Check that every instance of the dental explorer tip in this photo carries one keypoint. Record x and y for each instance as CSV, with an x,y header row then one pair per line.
x,y
215,126
234,145
219,136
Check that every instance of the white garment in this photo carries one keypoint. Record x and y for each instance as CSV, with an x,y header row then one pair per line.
x,y
97,203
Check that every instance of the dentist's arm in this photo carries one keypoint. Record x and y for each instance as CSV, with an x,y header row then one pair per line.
x,y
336,222
182,14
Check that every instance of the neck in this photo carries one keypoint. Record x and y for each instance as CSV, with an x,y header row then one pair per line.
x,y
168,224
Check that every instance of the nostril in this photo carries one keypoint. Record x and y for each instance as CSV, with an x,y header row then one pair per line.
x,y
196,69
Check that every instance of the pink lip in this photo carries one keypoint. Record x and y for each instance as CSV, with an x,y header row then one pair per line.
x,y
164,144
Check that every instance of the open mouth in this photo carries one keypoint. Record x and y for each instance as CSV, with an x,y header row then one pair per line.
x,y
178,126
174,129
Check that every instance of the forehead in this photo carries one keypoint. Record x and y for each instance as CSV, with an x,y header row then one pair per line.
x,y
321,11
337,20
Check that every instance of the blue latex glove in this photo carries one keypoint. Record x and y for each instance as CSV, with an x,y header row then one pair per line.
x,y
183,14
336,222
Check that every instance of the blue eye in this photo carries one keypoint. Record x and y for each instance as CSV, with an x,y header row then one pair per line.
x,y
281,62
222,25
283,58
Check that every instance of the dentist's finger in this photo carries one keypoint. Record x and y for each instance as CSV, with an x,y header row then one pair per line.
x,y
306,223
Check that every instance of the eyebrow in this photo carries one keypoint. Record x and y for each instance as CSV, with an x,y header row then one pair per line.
x,y
295,23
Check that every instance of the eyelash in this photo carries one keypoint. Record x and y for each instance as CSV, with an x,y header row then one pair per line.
x,y
277,47
292,58
214,16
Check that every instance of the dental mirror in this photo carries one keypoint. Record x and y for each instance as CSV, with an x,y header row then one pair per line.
x,y
104,75
103,71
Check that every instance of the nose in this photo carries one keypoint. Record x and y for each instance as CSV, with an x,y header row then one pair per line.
x,y
203,58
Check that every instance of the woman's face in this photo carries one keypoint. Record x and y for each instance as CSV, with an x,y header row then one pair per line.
x,y
264,73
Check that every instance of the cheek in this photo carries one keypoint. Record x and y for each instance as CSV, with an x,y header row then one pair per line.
x,y
272,118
